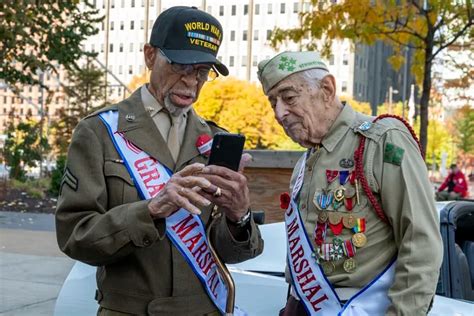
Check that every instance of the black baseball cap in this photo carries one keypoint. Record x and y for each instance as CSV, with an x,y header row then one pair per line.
x,y
190,36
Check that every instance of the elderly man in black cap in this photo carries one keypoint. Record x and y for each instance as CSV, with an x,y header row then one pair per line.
x,y
136,193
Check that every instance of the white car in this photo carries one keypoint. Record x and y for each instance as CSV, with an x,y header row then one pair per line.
x,y
260,284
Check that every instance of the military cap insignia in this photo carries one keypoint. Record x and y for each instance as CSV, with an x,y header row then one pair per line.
x,y
288,63
393,154
346,163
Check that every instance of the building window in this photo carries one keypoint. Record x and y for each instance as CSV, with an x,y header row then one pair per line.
x,y
112,5
101,48
102,25
221,10
132,25
131,47
269,9
344,86
122,4
345,59
282,8
244,35
244,61
92,49
232,36
121,48
112,25
142,25
331,59
150,24
120,69
231,61
246,9
111,48
133,3
209,9
130,70
296,7
234,10
255,35
254,61
121,25
269,34
152,3
257,9
141,47
143,3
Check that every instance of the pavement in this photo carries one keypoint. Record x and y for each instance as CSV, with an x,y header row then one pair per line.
x,y
32,268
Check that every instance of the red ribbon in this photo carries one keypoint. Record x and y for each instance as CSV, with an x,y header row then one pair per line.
x,y
284,200
336,229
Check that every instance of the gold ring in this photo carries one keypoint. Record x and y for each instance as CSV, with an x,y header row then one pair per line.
x,y
218,192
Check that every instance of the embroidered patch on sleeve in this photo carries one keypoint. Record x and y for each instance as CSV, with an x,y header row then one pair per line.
x,y
70,180
393,154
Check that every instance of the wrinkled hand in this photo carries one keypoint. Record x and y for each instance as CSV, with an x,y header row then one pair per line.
x,y
181,191
234,199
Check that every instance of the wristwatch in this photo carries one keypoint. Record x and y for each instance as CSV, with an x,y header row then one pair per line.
x,y
244,220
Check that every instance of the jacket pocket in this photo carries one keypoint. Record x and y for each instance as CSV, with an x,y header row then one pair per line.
x,y
120,186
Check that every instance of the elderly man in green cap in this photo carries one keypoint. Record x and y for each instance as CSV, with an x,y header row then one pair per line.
x,y
362,227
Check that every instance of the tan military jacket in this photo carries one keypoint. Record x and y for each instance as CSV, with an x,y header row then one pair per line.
x,y
101,220
406,197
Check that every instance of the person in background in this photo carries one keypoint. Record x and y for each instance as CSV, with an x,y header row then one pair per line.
x,y
454,187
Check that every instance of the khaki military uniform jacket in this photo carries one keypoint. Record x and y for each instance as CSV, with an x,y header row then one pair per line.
x,y
100,219
405,195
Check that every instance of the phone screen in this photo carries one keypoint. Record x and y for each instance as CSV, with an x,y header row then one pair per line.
x,y
227,150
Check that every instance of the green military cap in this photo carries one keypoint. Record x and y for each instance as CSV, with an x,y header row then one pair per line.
x,y
272,71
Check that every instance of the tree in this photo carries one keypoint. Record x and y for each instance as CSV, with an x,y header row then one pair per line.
x,y
23,146
428,27
42,35
464,119
241,107
363,107
139,80
85,94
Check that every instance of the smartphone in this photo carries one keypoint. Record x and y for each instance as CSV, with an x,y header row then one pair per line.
x,y
226,150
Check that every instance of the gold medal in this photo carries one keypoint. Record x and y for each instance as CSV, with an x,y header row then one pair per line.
x,y
335,218
328,267
349,221
339,194
349,192
323,217
349,265
359,240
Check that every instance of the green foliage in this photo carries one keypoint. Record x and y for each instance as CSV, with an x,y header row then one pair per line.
x,y
42,35
57,175
24,146
465,129
33,187
85,94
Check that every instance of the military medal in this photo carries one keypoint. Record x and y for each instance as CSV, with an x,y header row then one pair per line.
x,y
337,250
324,199
331,175
348,203
353,180
359,226
359,240
348,221
320,233
336,204
349,265
346,163
336,228
323,217
328,267
349,192
335,218
339,194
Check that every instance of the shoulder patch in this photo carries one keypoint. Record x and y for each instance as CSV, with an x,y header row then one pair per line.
x,y
393,154
70,180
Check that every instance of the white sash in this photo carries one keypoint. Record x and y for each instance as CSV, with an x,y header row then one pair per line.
x,y
309,281
184,229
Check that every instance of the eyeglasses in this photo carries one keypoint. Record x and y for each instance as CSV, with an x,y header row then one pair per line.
x,y
202,74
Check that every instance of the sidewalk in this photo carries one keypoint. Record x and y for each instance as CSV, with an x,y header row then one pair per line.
x,y
32,268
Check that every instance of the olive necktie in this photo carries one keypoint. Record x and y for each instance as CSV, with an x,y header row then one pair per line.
x,y
173,136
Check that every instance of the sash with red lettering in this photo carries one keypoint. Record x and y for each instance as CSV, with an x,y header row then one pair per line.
x,y
309,282
184,229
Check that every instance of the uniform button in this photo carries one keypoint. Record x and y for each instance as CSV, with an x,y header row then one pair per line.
x,y
146,242
310,168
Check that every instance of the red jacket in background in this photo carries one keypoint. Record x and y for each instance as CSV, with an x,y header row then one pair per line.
x,y
459,183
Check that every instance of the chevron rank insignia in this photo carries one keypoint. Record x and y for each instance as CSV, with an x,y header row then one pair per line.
x,y
393,154
70,180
